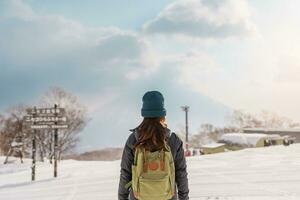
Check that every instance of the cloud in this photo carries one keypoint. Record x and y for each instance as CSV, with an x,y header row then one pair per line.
x,y
15,8
203,19
39,51
49,40
198,71
288,69
110,68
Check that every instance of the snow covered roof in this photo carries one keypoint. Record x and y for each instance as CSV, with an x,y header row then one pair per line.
x,y
213,145
243,138
283,130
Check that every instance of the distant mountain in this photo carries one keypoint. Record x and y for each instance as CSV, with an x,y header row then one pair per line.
x,y
108,154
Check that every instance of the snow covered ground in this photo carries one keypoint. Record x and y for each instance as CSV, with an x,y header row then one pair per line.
x,y
271,173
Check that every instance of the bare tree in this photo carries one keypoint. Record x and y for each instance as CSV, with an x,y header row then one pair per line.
x,y
11,126
181,132
208,133
265,119
75,113
207,128
2,138
241,119
42,140
273,120
237,121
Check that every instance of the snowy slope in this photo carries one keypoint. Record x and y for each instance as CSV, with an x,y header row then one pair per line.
x,y
271,173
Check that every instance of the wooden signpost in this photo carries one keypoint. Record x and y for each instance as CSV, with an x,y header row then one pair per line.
x,y
45,118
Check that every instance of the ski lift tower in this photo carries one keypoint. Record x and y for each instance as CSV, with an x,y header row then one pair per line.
x,y
186,110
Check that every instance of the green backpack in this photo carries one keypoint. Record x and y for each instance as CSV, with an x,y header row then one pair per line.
x,y
153,175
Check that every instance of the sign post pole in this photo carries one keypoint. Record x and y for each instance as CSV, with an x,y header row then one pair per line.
x,y
55,146
33,153
51,147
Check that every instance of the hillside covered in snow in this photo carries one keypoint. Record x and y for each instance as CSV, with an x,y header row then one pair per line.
x,y
271,173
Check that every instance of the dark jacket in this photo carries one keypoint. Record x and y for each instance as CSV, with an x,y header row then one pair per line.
x,y
176,146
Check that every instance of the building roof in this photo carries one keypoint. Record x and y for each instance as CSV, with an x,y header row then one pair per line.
x,y
270,130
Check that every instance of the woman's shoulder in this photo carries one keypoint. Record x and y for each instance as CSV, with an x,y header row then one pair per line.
x,y
174,136
174,140
132,138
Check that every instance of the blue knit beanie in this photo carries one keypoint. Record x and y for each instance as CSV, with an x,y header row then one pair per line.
x,y
153,105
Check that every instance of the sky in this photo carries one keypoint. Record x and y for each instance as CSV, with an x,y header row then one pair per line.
x,y
213,55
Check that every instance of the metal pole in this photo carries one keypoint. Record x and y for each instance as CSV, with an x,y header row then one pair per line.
x,y
186,126
55,146
186,109
33,150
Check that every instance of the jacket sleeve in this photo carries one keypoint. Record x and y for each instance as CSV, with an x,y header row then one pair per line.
x,y
181,172
126,162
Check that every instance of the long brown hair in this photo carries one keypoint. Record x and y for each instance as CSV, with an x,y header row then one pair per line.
x,y
152,134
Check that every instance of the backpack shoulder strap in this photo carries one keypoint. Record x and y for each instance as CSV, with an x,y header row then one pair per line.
x,y
136,153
